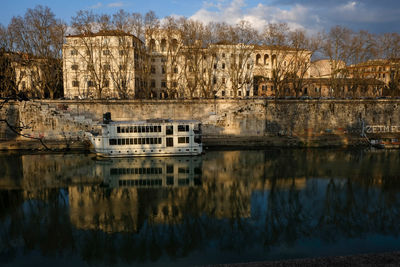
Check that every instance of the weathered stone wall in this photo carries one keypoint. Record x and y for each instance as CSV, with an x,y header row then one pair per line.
x,y
253,118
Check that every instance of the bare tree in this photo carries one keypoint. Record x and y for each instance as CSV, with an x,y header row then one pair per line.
x,y
299,62
336,49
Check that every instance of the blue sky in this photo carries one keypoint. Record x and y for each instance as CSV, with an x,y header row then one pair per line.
x,y
314,15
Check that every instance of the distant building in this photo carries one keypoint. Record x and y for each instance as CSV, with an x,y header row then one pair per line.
x,y
380,69
326,68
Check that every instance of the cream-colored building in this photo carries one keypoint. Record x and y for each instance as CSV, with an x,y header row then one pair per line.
x,y
107,64
326,68
118,65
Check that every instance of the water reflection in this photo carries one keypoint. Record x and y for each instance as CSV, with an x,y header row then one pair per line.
x,y
230,205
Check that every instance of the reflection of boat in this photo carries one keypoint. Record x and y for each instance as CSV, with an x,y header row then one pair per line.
x,y
150,172
385,143
155,137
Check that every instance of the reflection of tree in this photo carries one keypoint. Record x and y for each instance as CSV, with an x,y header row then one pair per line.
x,y
220,211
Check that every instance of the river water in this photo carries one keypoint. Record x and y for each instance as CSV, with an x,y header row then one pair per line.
x,y
221,207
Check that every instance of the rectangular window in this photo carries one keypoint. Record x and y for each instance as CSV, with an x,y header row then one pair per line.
x,y
163,84
75,84
75,67
135,141
106,52
90,84
153,69
183,140
135,130
183,128
118,129
169,129
106,83
119,141
112,142
74,52
123,141
159,141
170,141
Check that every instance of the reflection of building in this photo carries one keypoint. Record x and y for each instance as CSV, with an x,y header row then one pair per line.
x,y
152,172
155,188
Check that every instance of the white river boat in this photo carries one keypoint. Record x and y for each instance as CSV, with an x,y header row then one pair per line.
x,y
153,137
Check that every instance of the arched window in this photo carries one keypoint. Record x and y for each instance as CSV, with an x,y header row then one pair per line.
x,y
152,45
174,45
273,60
163,45
258,58
266,58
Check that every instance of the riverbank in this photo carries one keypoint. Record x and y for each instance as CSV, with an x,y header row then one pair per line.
x,y
324,141
378,259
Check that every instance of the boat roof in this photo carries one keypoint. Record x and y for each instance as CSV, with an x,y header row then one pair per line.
x,y
159,121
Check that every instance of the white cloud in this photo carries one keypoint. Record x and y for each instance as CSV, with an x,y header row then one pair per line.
x,y
116,4
350,6
311,15
259,16
96,6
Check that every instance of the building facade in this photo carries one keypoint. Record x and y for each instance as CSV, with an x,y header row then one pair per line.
x,y
107,64
118,65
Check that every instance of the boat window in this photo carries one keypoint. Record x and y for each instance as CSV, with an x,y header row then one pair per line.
x,y
169,129
112,142
170,141
170,180
183,128
118,129
183,140
170,168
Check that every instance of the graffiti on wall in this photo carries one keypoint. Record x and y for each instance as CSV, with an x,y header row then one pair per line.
x,y
382,129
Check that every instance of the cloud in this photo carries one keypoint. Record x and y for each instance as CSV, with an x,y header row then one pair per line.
x,y
116,4
312,15
96,6
258,16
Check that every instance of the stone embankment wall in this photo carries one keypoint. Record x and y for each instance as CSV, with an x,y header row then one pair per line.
x,y
250,121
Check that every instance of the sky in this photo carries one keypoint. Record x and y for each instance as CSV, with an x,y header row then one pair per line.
x,y
377,16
